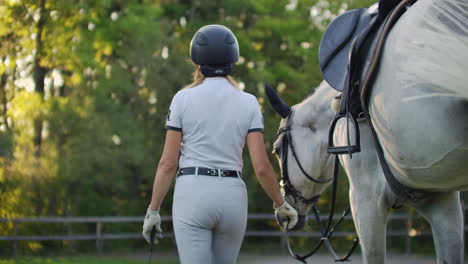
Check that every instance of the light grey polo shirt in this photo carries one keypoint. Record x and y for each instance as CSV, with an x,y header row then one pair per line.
x,y
214,118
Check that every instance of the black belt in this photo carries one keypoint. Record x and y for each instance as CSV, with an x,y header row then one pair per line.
x,y
208,172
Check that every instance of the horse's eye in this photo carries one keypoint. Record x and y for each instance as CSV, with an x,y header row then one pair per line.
x,y
313,128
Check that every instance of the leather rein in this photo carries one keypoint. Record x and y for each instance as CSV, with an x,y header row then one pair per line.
x,y
289,189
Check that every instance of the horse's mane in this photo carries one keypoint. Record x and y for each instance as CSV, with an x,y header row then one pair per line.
x,y
432,47
318,102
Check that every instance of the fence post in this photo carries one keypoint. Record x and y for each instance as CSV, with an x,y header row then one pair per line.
x,y
98,237
409,226
69,233
463,215
389,232
15,233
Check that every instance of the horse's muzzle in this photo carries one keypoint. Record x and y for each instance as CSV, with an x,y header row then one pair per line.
x,y
301,222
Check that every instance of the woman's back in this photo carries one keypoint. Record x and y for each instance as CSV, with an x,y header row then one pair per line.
x,y
208,125
214,118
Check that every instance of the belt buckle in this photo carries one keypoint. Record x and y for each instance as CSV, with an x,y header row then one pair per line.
x,y
212,172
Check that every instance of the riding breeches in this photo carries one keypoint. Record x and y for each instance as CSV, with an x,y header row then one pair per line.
x,y
209,218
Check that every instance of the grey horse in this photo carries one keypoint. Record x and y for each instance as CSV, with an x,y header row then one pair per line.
x,y
419,107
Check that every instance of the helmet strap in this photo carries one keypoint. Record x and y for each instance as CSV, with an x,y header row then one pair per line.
x,y
216,70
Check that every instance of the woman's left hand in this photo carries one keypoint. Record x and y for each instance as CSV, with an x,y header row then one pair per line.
x,y
286,216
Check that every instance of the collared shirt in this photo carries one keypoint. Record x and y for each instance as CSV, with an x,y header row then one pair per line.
x,y
214,118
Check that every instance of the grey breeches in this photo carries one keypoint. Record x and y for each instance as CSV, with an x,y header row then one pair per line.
x,y
209,217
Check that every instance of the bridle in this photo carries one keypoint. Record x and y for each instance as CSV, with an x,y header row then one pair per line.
x,y
290,190
287,143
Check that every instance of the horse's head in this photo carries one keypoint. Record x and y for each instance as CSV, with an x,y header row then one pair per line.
x,y
301,149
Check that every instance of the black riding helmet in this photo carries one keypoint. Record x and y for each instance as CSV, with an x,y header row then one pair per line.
x,y
215,48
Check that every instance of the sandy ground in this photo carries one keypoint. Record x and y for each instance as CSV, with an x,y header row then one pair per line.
x,y
325,259
318,259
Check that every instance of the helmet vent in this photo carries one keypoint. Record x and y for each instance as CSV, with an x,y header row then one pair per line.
x,y
229,39
201,39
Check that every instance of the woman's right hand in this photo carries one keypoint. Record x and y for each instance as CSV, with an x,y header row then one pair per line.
x,y
152,219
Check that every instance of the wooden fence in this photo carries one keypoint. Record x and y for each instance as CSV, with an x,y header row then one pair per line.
x,y
100,236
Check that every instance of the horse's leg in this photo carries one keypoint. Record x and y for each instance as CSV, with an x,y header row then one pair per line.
x,y
445,214
370,213
369,195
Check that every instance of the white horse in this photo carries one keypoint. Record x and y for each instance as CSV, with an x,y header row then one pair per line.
x,y
419,107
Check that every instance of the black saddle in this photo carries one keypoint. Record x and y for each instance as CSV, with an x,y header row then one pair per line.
x,y
336,43
348,48
349,57
349,54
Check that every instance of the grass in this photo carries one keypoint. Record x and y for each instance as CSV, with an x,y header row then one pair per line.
x,y
80,260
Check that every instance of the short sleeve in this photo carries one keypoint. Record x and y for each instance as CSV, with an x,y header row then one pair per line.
x,y
174,116
256,124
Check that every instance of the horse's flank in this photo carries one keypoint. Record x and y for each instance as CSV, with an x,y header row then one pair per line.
x,y
419,101
431,47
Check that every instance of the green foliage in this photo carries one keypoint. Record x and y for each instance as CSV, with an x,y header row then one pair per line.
x,y
111,69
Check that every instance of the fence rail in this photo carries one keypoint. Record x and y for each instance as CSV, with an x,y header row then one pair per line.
x,y
99,236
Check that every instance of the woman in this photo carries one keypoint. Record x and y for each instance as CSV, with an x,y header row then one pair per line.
x,y
208,124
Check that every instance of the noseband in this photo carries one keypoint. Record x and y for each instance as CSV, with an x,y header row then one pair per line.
x,y
285,180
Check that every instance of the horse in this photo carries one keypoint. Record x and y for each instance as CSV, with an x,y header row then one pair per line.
x,y
419,107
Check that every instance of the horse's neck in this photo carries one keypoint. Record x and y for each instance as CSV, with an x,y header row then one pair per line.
x,y
316,107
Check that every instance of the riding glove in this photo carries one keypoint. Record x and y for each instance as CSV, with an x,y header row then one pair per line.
x,y
152,219
287,212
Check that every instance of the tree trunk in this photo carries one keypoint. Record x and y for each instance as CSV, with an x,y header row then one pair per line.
x,y
3,96
192,11
39,73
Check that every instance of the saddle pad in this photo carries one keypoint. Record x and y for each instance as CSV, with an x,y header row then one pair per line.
x,y
336,43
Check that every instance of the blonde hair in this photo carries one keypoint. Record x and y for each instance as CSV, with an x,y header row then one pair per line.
x,y
198,78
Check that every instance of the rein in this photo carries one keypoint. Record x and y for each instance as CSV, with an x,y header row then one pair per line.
x,y
289,189
152,238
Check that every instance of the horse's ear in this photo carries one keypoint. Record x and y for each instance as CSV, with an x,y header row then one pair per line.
x,y
336,103
276,102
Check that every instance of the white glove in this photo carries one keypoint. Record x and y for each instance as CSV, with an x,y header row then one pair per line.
x,y
152,219
286,211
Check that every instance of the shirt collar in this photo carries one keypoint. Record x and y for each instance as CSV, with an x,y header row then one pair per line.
x,y
215,79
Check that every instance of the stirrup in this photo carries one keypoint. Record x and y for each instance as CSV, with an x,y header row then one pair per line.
x,y
349,149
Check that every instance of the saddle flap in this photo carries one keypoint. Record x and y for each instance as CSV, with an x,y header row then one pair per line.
x,y
336,43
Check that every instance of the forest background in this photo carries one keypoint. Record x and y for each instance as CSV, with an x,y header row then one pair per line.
x,y
85,87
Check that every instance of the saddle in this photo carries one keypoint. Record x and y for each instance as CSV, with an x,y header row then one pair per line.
x,y
338,39
349,57
349,54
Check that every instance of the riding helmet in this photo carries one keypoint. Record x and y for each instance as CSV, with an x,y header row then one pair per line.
x,y
215,48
